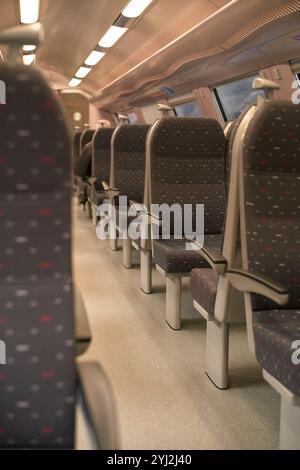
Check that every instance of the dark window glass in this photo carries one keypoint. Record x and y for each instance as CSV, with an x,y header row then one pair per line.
x,y
188,109
234,97
132,118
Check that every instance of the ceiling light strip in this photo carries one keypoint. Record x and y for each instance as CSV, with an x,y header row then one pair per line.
x,y
133,10
29,11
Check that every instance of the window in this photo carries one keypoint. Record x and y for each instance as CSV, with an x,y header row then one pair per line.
x,y
188,109
132,118
234,97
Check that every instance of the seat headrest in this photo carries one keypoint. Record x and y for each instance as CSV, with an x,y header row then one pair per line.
x,y
18,36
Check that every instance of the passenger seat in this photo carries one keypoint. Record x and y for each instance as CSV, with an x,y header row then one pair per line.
x,y
101,159
186,161
269,175
41,382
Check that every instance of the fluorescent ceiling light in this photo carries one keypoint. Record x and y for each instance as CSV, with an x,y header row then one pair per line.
x,y
112,36
29,11
82,72
135,8
28,59
29,48
94,57
74,82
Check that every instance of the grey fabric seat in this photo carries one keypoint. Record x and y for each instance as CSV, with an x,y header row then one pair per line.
x,y
39,384
101,156
76,151
172,256
101,159
82,170
128,175
129,161
274,332
86,137
187,166
204,285
272,220
84,164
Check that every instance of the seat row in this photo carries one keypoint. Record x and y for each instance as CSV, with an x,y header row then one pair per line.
x,y
228,217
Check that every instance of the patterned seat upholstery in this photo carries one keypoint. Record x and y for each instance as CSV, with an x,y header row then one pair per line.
x,y
83,172
188,167
84,164
270,230
37,386
101,162
86,137
129,160
204,284
172,256
76,148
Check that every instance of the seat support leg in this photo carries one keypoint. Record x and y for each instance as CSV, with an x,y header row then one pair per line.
x,y
217,347
94,215
127,253
113,244
146,271
173,302
89,206
289,425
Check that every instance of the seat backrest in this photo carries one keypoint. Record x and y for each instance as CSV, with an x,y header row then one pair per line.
x,y
76,147
128,160
37,386
187,166
86,137
84,164
230,137
270,198
102,155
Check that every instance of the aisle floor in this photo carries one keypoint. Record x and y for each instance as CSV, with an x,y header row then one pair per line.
x,y
165,400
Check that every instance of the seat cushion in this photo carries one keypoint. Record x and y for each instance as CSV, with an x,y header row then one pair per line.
x,y
172,256
274,333
203,283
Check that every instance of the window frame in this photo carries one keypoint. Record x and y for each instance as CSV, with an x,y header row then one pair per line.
x,y
217,98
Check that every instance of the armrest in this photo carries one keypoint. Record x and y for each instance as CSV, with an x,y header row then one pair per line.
x,y
82,327
245,281
138,207
213,257
92,180
110,192
99,405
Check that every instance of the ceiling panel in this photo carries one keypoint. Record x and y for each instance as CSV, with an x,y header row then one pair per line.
x,y
73,28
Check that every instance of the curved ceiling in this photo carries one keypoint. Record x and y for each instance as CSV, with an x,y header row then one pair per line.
x,y
159,47
72,30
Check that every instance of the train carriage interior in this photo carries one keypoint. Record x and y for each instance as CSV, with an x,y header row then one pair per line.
x,y
150,224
